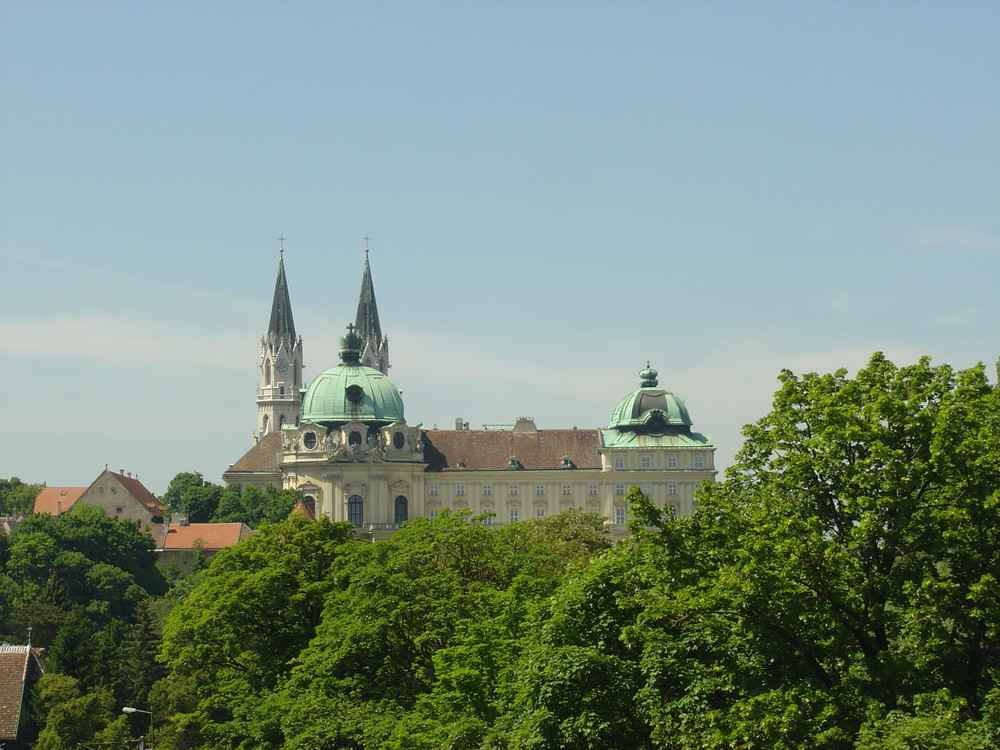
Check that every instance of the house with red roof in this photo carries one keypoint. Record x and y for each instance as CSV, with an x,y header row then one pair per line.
x,y
19,669
120,494
182,543
54,501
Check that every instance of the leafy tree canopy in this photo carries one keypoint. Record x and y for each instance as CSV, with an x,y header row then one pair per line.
x,y
16,497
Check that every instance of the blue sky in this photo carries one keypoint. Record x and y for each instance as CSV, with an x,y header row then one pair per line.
x,y
556,193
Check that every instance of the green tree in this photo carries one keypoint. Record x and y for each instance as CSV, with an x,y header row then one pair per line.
x,y
846,565
238,632
255,505
73,717
301,637
189,493
17,498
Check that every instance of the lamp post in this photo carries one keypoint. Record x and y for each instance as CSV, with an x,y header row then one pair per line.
x,y
131,710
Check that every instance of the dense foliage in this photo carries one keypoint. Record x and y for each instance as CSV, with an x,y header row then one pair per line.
x,y
16,497
838,590
205,502
81,585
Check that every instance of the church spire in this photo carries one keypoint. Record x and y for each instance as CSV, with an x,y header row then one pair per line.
x,y
282,326
374,346
279,393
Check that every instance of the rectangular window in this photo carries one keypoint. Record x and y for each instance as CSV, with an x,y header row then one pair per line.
x,y
539,489
488,521
620,516
567,490
619,489
512,490
119,511
432,490
644,462
539,512
699,461
671,489
487,489
513,515
433,513
647,489
619,462
671,462
592,489
459,489
672,509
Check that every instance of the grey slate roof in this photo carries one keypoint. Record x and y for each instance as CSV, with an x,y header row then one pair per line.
x,y
281,327
366,323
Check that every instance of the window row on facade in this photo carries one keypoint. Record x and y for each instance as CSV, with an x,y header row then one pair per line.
x,y
646,461
541,490
401,512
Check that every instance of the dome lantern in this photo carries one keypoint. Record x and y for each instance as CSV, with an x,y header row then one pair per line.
x,y
351,392
650,409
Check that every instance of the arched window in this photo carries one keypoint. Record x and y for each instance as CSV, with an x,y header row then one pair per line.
x,y
402,509
264,425
355,510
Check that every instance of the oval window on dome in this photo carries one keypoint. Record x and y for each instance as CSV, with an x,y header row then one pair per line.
x,y
656,424
398,441
354,393
309,440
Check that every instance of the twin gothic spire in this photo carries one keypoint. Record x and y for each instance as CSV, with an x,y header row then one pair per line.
x,y
374,346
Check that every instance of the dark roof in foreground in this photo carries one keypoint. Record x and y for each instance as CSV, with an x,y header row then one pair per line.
x,y
18,665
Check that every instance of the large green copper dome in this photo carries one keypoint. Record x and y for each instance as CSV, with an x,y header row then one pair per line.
x,y
650,409
352,392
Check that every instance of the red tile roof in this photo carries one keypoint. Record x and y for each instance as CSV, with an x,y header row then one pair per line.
x,y
207,536
138,490
55,500
305,507
18,666
489,450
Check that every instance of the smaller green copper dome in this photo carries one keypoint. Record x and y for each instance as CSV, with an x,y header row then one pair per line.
x,y
352,392
650,409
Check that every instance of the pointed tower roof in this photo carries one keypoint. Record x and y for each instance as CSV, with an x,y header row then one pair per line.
x,y
366,324
281,326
